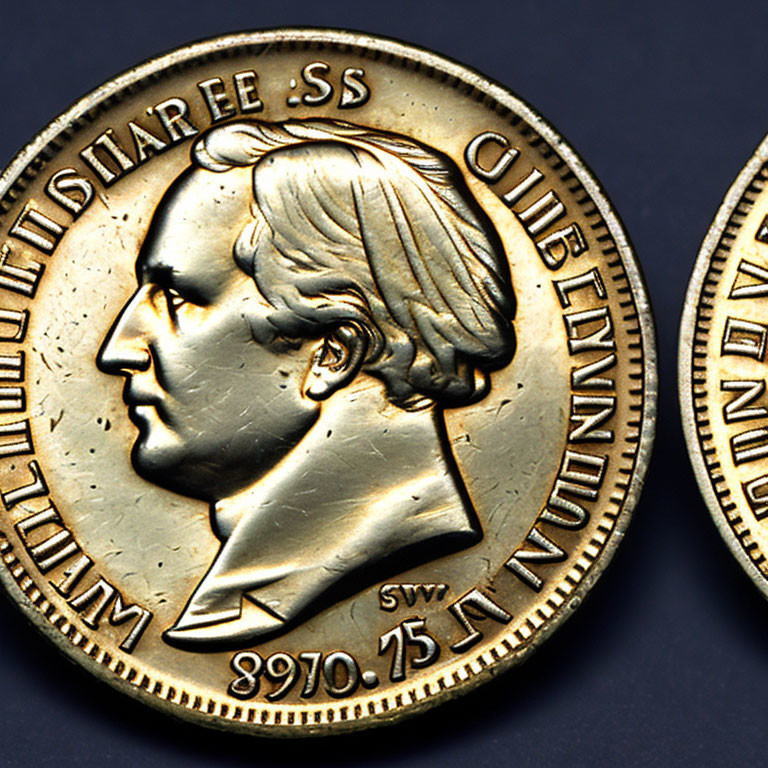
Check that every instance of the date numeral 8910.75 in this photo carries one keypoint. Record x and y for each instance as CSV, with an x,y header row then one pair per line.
x,y
340,671
409,633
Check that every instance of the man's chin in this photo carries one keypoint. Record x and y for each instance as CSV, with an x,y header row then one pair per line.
x,y
163,466
173,469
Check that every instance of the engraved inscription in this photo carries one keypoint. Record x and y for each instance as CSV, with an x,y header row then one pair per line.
x,y
743,405
53,548
319,88
489,156
469,611
394,596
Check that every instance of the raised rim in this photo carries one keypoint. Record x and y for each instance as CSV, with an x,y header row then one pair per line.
x,y
685,359
584,175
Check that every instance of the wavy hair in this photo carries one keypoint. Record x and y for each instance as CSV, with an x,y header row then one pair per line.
x,y
356,226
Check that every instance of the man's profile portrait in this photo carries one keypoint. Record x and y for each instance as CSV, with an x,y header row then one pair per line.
x,y
311,296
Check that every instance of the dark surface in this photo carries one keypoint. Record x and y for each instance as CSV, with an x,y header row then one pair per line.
x,y
667,662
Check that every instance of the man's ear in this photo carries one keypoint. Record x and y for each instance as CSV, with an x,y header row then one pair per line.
x,y
336,361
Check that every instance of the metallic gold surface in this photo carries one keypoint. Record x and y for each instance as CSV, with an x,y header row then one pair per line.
x,y
328,381
722,357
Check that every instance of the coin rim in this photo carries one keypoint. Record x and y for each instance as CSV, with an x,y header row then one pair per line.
x,y
515,104
685,359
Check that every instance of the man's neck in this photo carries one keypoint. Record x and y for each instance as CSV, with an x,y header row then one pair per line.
x,y
363,453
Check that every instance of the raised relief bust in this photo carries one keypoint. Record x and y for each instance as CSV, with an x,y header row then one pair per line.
x,y
311,296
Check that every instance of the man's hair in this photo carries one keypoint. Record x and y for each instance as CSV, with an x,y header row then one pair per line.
x,y
356,226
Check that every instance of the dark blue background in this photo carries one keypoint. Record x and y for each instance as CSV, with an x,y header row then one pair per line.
x,y
667,662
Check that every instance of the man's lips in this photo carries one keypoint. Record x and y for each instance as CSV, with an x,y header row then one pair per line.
x,y
144,413
135,402
141,403
133,396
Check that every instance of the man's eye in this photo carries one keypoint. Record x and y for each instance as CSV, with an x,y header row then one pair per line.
x,y
175,300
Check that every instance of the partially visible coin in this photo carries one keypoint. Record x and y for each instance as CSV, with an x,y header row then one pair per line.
x,y
723,342
328,381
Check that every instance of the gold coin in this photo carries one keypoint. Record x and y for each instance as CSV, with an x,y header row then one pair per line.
x,y
722,383
328,381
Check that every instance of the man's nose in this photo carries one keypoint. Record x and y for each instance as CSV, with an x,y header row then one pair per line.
x,y
125,348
